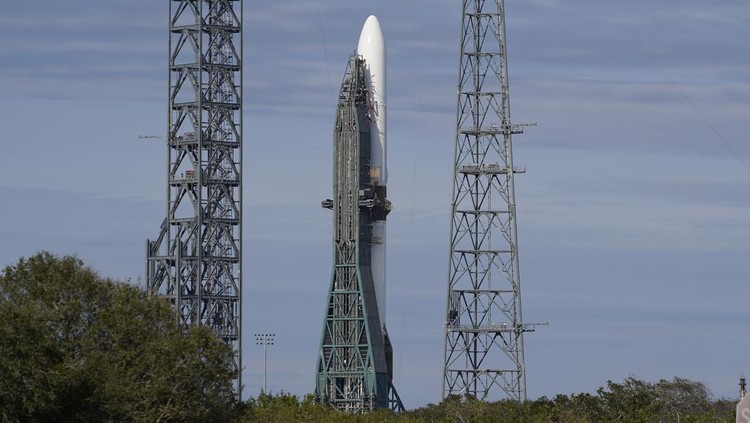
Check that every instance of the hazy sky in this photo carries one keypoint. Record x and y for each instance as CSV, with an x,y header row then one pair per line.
x,y
634,215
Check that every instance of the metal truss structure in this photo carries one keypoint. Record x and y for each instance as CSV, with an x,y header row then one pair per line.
x,y
355,364
196,261
484,351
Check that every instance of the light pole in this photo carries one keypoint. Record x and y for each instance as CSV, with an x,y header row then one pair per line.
x,y
264,339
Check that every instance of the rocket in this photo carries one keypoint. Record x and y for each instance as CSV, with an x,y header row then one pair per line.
x,y
371,55
355,365
372,49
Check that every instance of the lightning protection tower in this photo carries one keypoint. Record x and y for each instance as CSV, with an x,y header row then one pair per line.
x,y
484,353
196,261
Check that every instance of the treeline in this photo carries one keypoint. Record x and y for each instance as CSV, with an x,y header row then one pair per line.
x,y
76,347
633,400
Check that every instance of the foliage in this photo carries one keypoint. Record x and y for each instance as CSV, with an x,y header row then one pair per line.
x,y
75,347
286,408
632,400
78,347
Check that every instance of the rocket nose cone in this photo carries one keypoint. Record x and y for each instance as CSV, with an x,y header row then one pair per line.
x,y
371,32
372,21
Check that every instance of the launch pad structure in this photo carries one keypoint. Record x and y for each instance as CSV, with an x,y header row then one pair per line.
x,y
355,363
484,329
196,261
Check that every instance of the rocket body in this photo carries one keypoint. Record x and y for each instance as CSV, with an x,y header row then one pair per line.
x,y
372,49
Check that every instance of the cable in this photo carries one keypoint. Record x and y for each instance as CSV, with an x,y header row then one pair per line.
x,y
325,52
408,254
674,84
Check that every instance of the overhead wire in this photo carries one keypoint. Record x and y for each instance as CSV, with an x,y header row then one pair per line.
x,y
676,86
409,242
408,251
325,52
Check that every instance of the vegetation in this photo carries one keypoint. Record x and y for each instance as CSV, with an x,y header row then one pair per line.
x,y
76,347
632,400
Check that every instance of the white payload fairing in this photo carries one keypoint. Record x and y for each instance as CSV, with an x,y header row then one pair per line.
x,y
372,49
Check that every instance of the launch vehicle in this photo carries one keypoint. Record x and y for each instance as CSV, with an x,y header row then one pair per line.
x,y
355,363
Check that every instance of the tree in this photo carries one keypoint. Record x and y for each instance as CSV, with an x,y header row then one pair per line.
x,y
683,397
79,347
633,400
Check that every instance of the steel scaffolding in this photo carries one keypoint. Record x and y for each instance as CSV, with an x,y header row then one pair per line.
x,y
484,352
196,260
355,363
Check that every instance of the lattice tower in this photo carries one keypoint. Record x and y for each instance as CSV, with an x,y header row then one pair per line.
x,y
484,352
196,261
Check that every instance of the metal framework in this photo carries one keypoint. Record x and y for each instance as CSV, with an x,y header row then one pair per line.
x,y
196,261
484,353
355,363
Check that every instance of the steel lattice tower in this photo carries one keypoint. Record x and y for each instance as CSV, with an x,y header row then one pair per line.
x,y
484,351
355,363
196,261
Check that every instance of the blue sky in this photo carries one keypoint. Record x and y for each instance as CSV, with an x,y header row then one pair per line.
x,y
633,215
